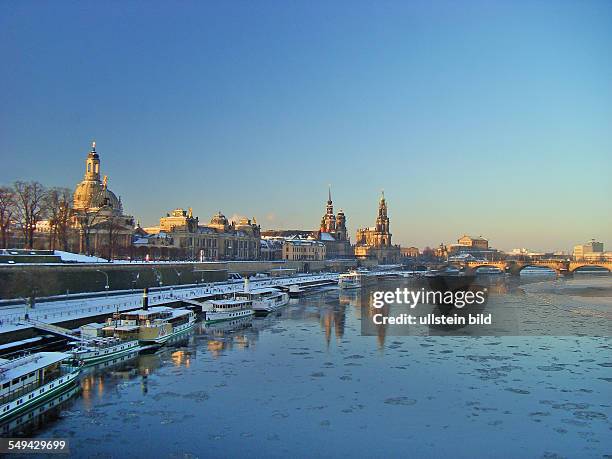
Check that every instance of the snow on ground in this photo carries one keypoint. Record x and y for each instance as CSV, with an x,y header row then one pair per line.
x,y
63,309
78,258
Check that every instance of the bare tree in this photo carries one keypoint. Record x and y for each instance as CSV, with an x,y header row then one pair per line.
x,y
87,218
7,210
30,200
113,227
58,204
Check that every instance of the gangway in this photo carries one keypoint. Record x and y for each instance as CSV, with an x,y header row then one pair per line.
x,y
53,329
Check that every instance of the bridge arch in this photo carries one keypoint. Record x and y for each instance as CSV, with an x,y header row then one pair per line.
x,y
501,266
551,266
573,268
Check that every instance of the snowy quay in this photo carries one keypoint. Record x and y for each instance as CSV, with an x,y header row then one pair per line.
x,y
80,275
70,311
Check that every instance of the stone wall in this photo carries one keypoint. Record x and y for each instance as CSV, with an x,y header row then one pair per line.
x,y
47,280
23,281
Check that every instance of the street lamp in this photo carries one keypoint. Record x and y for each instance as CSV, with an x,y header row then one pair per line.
x,y
106,287
178,274
158,276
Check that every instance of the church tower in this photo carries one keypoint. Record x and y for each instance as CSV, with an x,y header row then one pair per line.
x,y
328,222
92,165
341,232
382,222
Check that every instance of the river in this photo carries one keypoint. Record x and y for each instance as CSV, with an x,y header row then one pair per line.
x,y
305,383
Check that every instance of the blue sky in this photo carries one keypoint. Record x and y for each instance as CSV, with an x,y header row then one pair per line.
x,y
487,118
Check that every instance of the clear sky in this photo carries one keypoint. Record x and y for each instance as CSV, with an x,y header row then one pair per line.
x,y
489,118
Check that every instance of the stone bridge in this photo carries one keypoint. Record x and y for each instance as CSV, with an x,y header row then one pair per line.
x,y
515,267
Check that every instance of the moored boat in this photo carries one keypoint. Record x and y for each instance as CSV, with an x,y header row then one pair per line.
x,y
265,300
28,380
356,279
227,309
295,291
100,349
154,325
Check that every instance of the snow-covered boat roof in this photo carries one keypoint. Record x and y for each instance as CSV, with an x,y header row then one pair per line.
x,y
93,325
156,310
228,301
256,291
11,369
122,327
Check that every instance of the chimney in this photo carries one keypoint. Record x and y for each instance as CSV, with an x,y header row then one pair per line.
x,y
145,299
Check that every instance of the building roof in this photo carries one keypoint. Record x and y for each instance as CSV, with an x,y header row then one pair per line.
x,y
93,325
327,237
473,238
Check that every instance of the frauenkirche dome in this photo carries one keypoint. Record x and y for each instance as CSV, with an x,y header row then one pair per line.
x,y
92,194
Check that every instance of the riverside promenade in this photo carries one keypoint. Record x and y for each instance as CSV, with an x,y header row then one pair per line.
x,y
54,310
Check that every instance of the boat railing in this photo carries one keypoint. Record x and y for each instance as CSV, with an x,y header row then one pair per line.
x,y
22,390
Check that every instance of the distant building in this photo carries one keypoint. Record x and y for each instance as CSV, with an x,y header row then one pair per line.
x,y
375,243
333,233
287,233
97,224
409,252
479,242
271,248
590,250
98,219
179,235
477,247
303,249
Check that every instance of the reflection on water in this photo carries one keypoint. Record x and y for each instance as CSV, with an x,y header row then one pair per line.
x,y
304,382
40,416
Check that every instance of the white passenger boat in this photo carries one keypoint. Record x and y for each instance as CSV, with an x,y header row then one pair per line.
x,y
154,325
265,300
27,380
356,279
226,309
96,350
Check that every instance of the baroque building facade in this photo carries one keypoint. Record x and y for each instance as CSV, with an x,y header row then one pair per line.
x,y
180,236
375,242
97,214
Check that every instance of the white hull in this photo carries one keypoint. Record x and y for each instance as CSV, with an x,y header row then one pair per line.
x,y
268,305
356,280
98,355
37,395
218,316
343,284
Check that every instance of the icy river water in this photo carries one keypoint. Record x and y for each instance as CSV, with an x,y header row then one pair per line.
x,y
305,383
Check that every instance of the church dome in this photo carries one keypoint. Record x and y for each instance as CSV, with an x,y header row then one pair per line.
x,y
93,193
